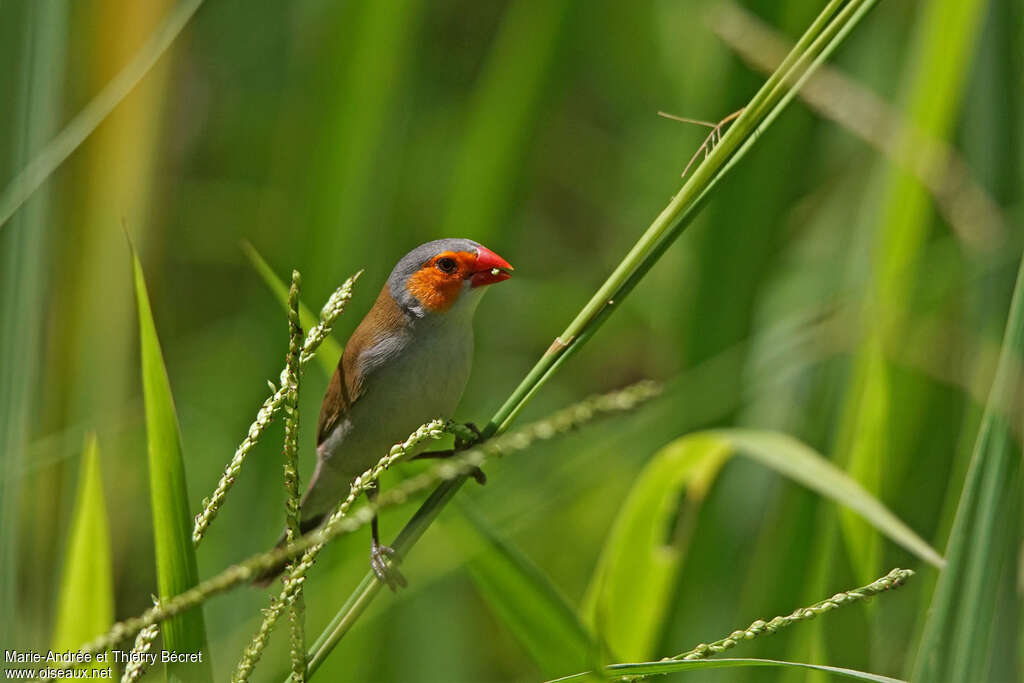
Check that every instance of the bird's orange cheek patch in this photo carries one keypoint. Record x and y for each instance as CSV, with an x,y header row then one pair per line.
x,y
434,290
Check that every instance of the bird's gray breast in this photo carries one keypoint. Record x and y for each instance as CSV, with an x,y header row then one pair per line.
x,y
409,379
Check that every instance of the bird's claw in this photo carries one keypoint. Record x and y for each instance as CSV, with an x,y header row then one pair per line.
x,y
384,566
462,444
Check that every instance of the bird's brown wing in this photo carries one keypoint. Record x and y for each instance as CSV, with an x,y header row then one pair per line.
x,y
347,384
337,400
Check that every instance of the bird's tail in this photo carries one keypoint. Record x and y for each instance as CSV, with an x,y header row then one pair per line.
x,y
265,578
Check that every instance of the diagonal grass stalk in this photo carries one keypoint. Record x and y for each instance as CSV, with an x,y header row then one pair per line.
x,y
639,670
296,572
93,114
565,420
138,664
456,470
827,31
894,579
964,204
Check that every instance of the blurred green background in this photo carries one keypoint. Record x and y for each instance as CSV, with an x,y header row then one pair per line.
x,y
336,136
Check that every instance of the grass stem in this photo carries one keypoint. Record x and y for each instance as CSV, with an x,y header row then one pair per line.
x,y
314,338
893,579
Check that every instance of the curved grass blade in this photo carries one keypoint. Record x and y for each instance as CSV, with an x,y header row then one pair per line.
x,y
330,349
648,542
797,461
524,599
667,667
85,605
955,642
646,547
172,520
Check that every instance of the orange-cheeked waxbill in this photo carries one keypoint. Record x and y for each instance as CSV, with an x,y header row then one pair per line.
x,y
405,364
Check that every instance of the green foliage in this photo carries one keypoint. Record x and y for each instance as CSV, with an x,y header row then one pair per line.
x,y
369,54
865,432
172,521
36,47
818,295
821,38
85,604
507,103
800,463
92,115
932,92
956,641
648,542
524,598
330,349
647,546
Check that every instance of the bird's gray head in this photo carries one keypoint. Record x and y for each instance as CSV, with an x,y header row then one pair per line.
x,y
433,277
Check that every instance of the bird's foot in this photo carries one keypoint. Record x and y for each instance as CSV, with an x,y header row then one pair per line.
x,y
478,475
462,444
384,566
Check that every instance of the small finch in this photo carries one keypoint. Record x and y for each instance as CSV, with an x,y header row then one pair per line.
x,y
406,363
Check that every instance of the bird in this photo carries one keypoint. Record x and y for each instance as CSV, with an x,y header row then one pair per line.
x,y
406,363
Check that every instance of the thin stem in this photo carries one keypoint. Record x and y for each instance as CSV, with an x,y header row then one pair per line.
x,y
561,422
291,472
296,572
328,315
894,579
567,419
137,663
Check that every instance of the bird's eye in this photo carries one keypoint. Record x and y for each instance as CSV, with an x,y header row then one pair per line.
x,y
446,265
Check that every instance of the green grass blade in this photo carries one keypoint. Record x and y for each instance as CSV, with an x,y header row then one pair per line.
x,y
172,520
631,590
797,461
330,349
647,544
933,93
863,445
85,604
524,599
656,668
954,645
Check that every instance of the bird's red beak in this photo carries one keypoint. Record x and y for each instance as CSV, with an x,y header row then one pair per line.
x,y
490,268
